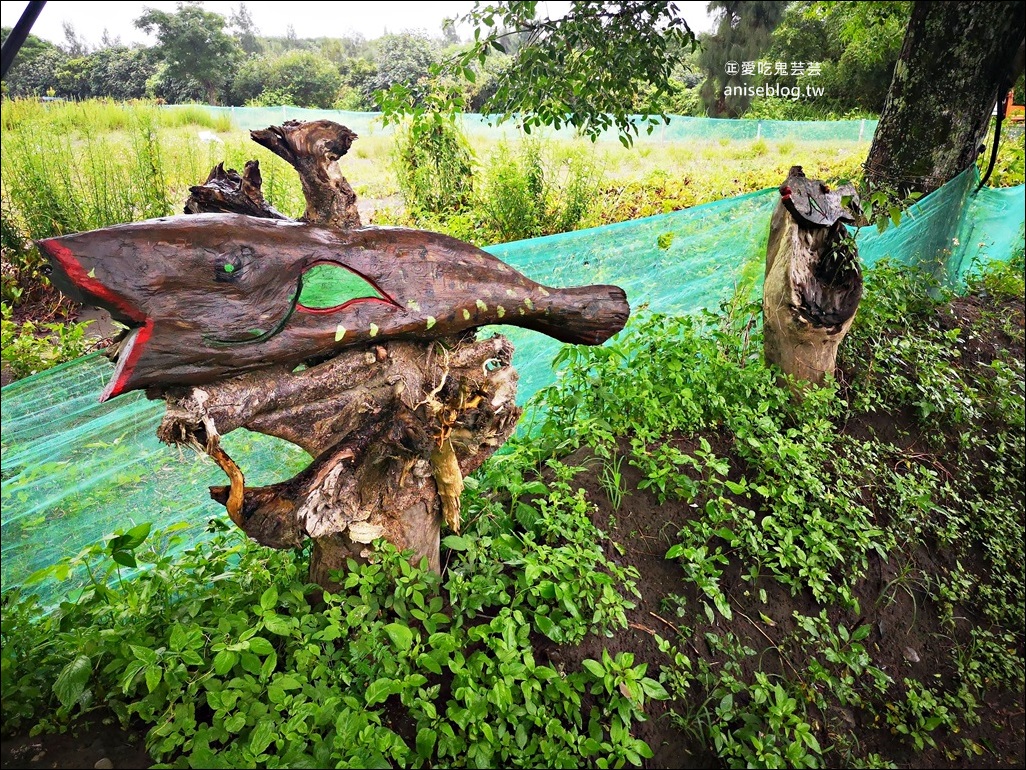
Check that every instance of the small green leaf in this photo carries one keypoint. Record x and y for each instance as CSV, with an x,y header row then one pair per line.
x,y
277,624
179,638
145,654
267,667
547,627
224,661
594,668
153,677
456,543
378,691
260,646
653,689
429,662
262,736
130,674
71,681
124,558
250,663
400,635
136,536
269,598
426,742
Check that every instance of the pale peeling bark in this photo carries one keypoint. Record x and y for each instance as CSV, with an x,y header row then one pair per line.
x,y
953,60
813,283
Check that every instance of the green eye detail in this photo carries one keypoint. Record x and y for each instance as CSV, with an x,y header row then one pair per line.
x,y
229,268
327,286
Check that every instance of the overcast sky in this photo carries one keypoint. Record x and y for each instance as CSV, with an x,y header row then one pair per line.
x,y
309,19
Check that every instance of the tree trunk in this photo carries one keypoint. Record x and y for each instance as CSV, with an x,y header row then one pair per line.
x,y
813,283
955,57
393,430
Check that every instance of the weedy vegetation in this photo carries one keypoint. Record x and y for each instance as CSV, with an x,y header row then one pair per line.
x,y
779,515
842,578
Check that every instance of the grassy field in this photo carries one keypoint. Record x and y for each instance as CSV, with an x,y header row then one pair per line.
x,y
81,166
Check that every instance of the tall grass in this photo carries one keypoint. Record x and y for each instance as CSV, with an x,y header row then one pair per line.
x,y
105,115
68,167
535,189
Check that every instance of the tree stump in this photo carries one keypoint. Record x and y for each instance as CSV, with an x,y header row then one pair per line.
x,y
813,281
357,344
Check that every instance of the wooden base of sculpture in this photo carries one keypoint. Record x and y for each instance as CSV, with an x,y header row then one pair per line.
x,y
393,430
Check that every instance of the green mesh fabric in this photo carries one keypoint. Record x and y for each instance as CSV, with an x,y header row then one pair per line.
x,y
678,129
74,469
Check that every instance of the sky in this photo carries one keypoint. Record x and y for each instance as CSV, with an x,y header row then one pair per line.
x,y
371,18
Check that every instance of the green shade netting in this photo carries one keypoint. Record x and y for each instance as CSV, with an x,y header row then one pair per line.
x,y
74,470
679,128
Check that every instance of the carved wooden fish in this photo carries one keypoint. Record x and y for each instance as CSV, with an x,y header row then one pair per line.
x,y
209,296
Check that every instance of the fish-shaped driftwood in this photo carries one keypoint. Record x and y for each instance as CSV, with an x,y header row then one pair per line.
x,y
213,295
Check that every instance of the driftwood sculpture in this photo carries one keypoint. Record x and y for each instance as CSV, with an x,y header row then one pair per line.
x,y
357,344
213,295
813,281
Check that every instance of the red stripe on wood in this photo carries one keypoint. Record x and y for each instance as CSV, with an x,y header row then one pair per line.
x,y
83,280
117,386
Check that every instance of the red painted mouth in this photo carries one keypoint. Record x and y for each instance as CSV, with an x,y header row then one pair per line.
x,y
129,355
96,293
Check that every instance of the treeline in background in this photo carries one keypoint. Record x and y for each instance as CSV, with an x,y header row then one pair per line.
x,y
202,56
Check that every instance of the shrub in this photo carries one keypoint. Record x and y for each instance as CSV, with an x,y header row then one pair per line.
x,y
433,164
534,190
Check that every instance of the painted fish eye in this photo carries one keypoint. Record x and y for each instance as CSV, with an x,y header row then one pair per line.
x,y
327,287
229,265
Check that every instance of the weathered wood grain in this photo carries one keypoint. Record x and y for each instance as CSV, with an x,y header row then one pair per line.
x,y
214,295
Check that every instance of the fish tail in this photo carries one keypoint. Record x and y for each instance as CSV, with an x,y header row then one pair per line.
x,y
585,315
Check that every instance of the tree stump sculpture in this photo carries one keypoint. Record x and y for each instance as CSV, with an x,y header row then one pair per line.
x,y
357,344
813,281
